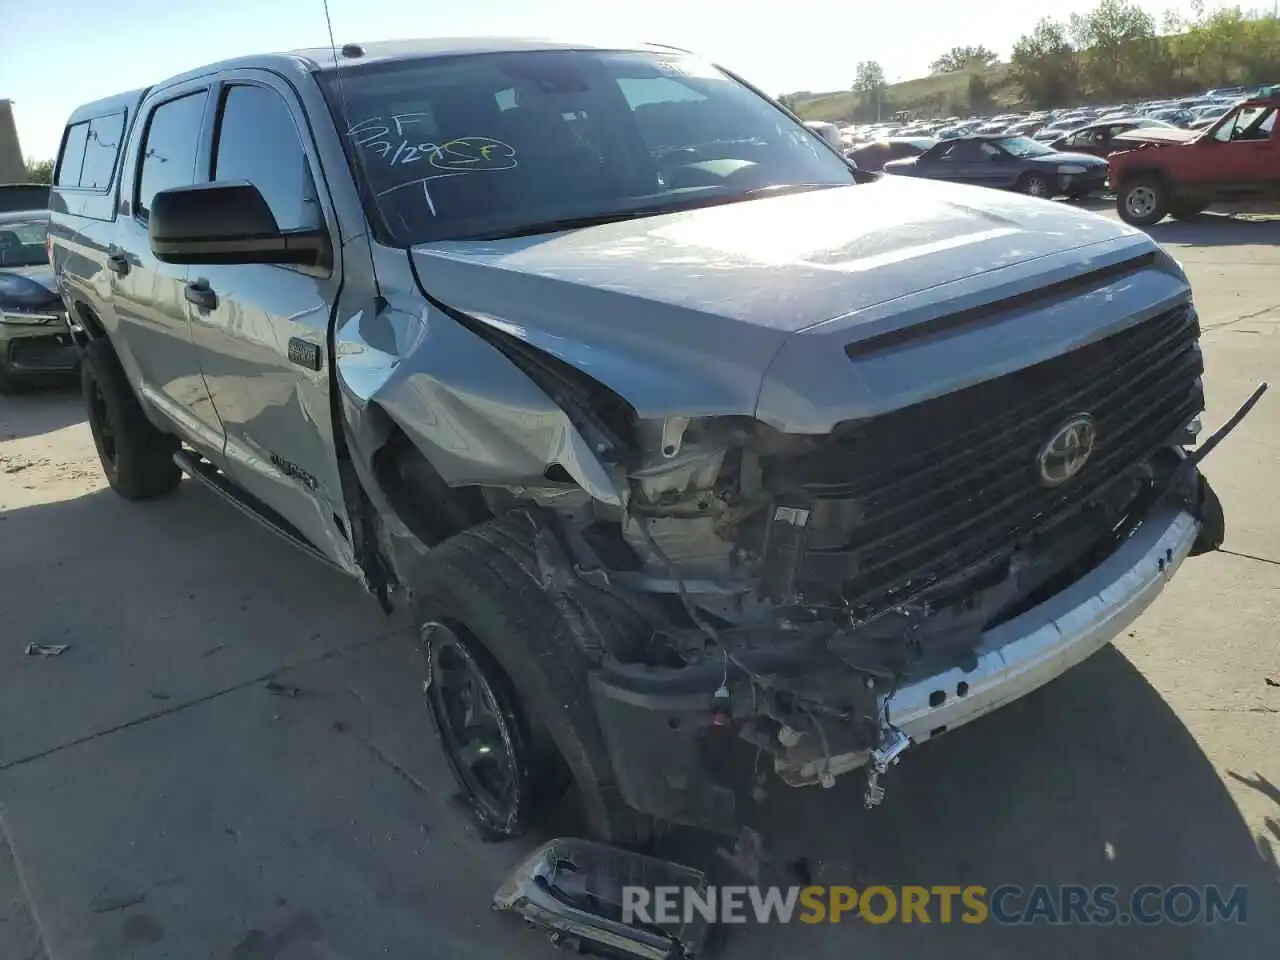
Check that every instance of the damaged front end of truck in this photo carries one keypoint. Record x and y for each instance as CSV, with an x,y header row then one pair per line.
x,y
824,541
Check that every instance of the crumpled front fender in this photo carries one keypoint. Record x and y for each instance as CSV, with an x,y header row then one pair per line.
x,y
475,415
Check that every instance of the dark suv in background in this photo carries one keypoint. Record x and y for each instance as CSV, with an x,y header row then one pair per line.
x,y
35,342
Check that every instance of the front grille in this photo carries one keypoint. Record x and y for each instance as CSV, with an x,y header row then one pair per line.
x,y
929,490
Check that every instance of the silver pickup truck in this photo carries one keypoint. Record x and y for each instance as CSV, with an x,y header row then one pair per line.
x,y
699,456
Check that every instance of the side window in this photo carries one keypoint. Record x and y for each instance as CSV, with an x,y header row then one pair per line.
x,y
1267,125
72,158
101,151
169,149
258,143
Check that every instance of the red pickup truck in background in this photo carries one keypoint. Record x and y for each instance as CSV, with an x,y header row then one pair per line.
x,y
1235,161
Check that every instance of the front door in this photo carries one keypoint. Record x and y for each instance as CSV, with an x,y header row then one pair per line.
x,y
1241,155
147,295
261,330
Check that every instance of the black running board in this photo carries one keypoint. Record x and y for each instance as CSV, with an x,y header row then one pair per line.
x,y
198,468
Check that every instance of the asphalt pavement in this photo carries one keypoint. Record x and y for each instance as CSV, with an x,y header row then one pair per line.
x,y
159,800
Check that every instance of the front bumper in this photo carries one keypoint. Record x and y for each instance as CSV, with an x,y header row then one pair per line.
x,y
1081,184
31,350
660,735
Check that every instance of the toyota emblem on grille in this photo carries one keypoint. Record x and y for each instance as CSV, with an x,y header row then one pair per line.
x,y
1067,451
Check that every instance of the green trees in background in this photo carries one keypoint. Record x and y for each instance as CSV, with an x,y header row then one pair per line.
x,y
964,58
39,171
1118,50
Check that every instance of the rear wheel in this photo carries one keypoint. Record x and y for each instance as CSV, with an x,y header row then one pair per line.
x,y
1143,201
136,457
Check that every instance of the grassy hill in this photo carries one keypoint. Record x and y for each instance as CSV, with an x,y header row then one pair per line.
x,y
943,94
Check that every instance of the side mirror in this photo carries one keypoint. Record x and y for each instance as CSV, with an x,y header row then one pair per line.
x,y
227,223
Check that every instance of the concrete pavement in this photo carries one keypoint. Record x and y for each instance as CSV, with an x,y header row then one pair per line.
x,y
157,800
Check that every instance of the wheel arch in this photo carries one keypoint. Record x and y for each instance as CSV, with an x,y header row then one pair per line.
x,y
1145,170
417,493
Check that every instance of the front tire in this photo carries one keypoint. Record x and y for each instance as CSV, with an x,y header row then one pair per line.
x,y
488,624
136,457
1035,185
1143,201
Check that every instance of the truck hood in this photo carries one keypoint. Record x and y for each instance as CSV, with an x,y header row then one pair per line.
x,y
686,311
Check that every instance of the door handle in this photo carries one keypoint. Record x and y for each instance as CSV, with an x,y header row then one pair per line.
x,y
118,264
201,294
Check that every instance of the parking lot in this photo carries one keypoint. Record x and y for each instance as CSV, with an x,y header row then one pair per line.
x,y
158,799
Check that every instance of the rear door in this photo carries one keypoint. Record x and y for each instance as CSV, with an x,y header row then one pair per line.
x,y
960,162
147,295
261,329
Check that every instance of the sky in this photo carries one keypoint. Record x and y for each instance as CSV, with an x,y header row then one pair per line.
x,y
48,47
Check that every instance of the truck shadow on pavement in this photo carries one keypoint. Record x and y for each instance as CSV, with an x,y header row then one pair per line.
x,y
1218,230
1092,780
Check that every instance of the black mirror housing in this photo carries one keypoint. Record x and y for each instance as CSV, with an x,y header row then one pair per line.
x,y
227,223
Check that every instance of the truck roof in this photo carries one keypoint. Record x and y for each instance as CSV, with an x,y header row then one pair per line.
x,y
323,59
127,100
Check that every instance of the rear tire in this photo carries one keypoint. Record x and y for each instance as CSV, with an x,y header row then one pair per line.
x,y
1142,201
136,457
480,601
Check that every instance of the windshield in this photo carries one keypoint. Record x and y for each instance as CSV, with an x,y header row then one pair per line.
x,y
22,242
488,144
1024,147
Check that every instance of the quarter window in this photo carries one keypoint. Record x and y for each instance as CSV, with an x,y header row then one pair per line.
x,y
169,150
258,143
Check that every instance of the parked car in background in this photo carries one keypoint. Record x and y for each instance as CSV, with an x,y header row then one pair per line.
x,y
1098,138
1051,132
1023,128
670,430
22,197
1207,116
827,131
1007,163
1235,161
35,341
874,155
1178,116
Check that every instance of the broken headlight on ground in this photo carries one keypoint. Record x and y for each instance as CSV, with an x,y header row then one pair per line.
x,y
578,892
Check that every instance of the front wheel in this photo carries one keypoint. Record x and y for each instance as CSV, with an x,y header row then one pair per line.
x,y
507,682
1143,202
1036,185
